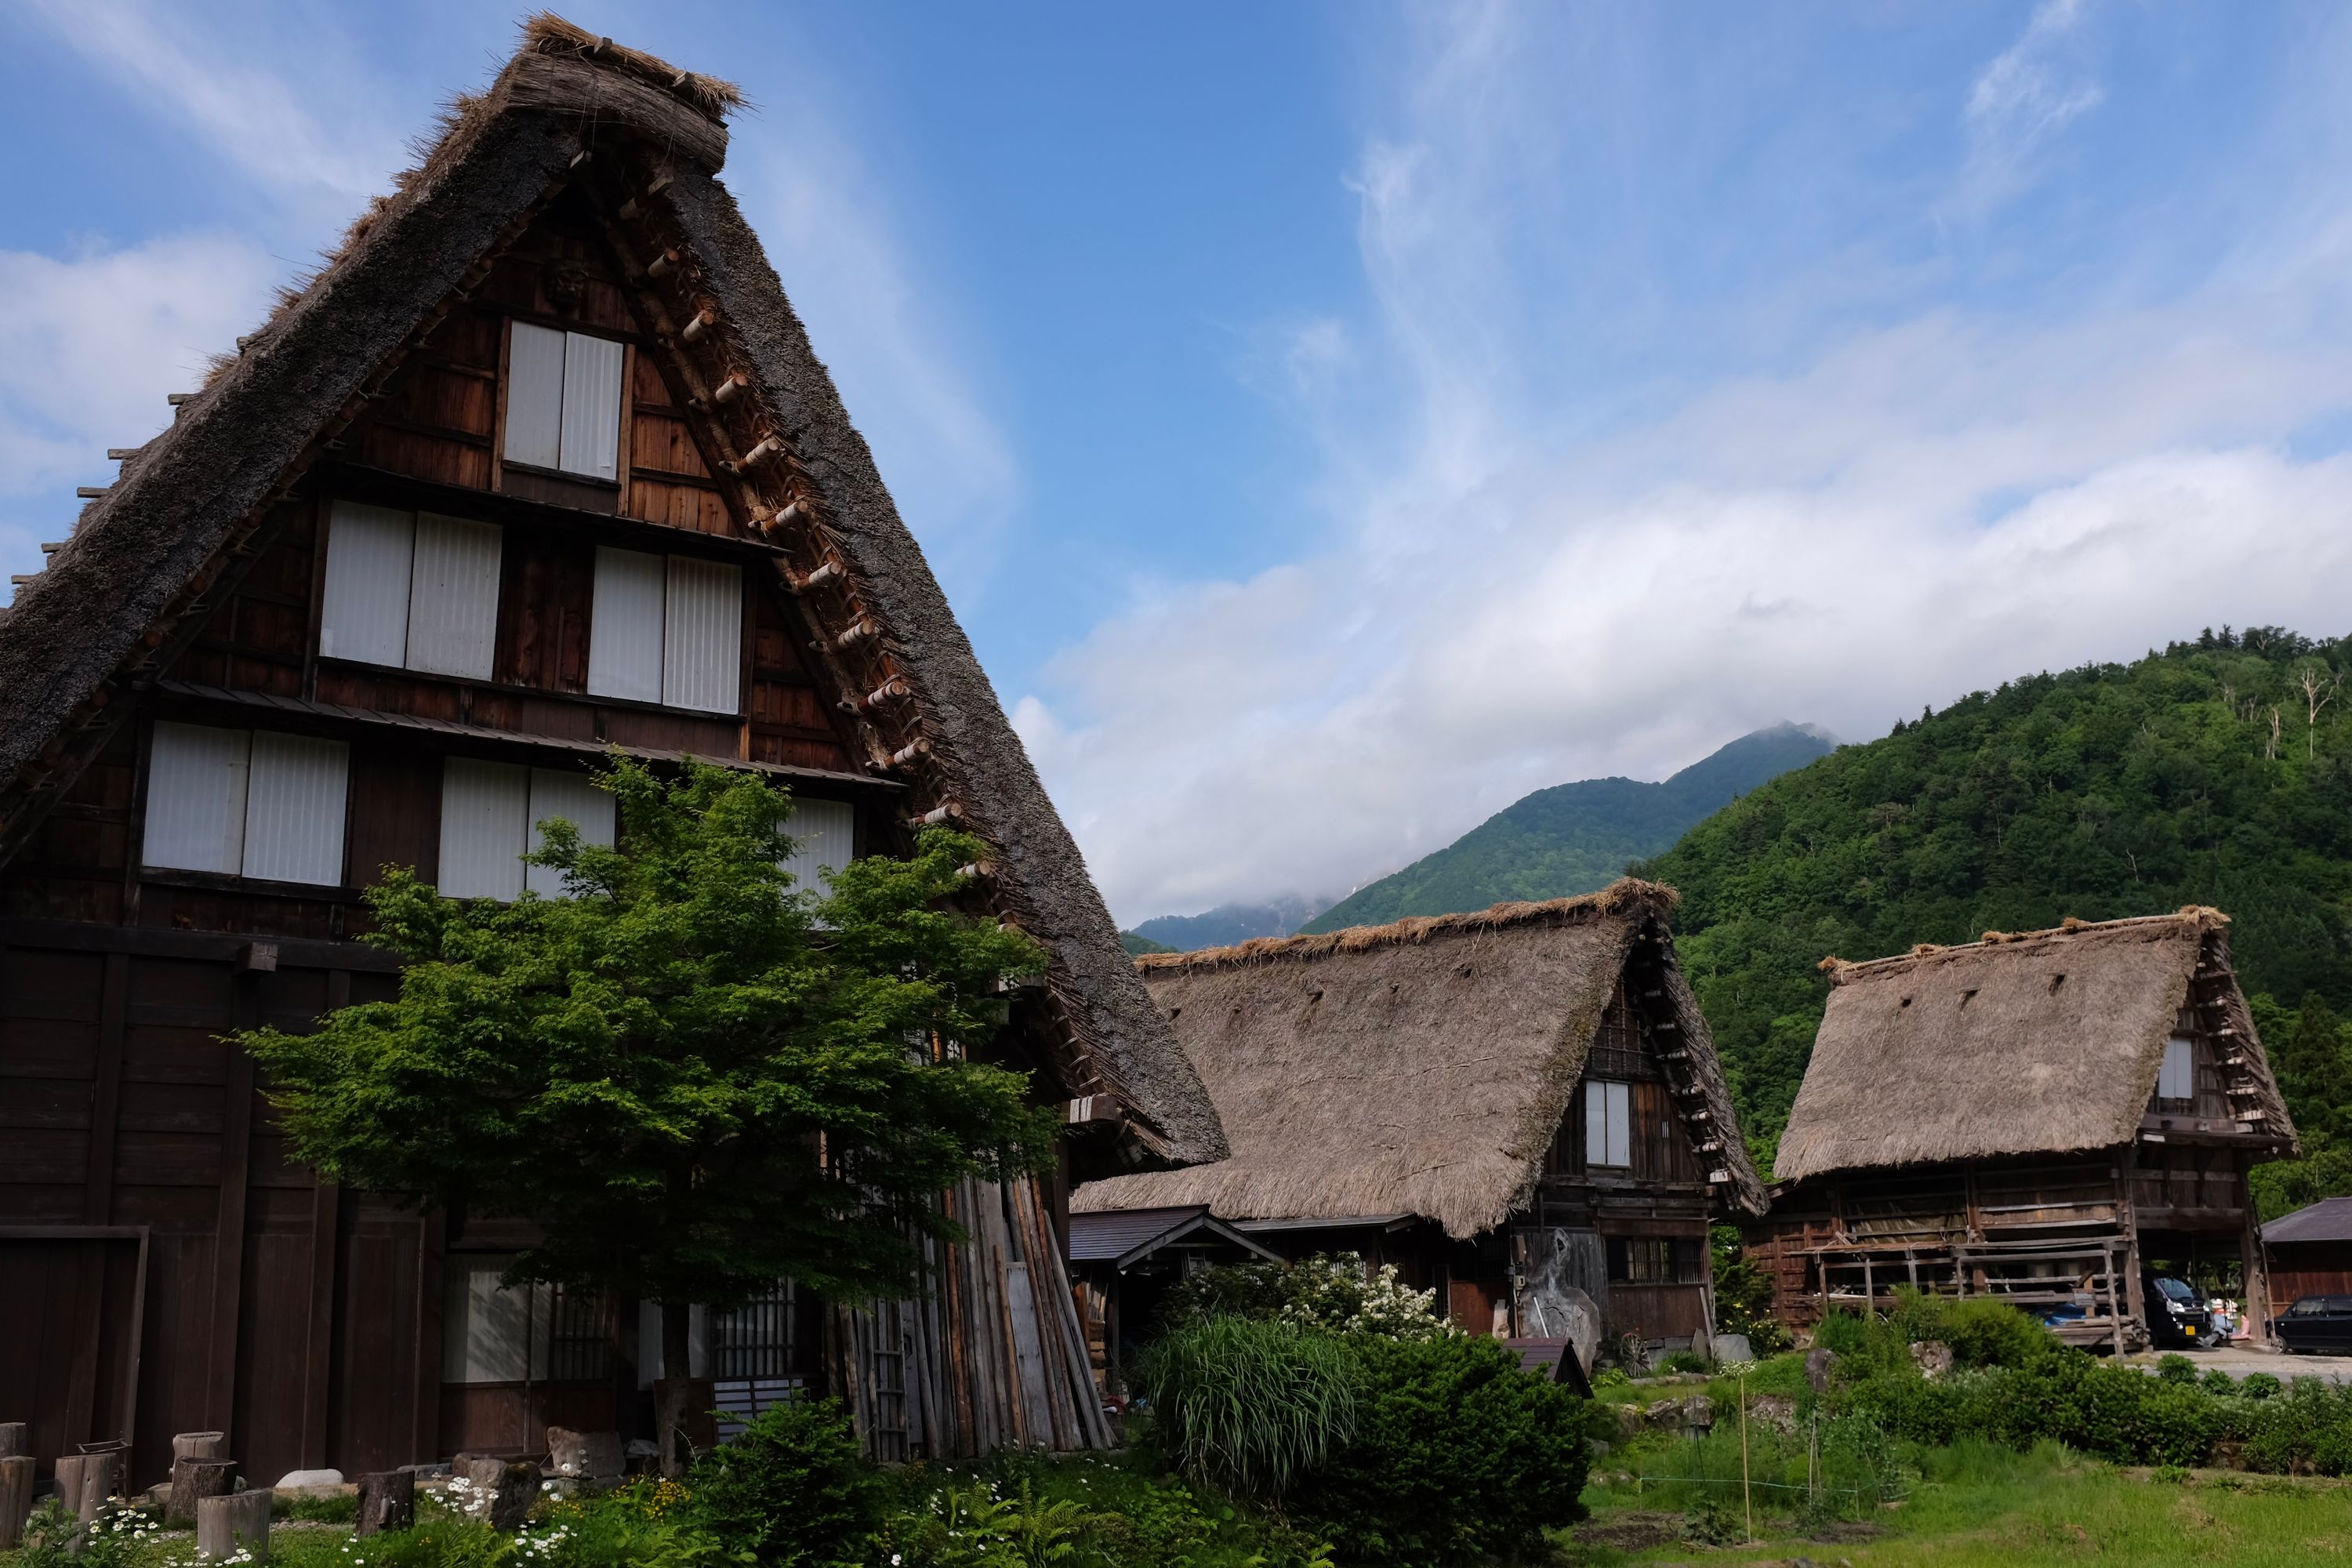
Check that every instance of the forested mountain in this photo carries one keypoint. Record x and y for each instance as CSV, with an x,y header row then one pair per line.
x,y
2218,772
1224,925
1573,838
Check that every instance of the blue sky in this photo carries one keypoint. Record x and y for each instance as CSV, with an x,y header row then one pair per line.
x,y
1332,421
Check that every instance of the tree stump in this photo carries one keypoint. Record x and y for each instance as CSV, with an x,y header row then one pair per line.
x,y
15,1439
68,1481
101,1478
180,1510
15,1497
501,1492
239,1520
387,1501
193,1480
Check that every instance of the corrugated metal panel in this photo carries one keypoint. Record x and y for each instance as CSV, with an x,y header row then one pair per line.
x,y
535,395
575,798
824,838
453,597
591,406
365,612
702,646
624,627
196,798
485,814
294,808
1107,1234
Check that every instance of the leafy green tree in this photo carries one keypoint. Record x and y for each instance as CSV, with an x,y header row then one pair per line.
x,y
697,1078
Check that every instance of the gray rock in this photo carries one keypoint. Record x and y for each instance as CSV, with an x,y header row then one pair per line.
x,y
1933,1358
1731,1347
1818,1360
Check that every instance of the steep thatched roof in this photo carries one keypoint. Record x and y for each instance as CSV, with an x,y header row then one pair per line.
x,y
2028,1043
129,588
1417,1068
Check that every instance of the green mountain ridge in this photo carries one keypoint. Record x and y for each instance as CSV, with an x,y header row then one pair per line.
x,y
1574,837
2196,775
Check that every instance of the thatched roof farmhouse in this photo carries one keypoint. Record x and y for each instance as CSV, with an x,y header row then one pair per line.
x,y
2057,1109
1428,1080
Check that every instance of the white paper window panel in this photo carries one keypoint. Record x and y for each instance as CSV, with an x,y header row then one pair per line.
x,y
295,790
453,597
575,798
702,643
485,818
366,613
625,625
486,1332
534,394
2179,1078
1608,1123
196,798
824,838
591,440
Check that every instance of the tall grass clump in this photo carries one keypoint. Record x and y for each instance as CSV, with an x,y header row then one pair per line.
x,y
1250,1404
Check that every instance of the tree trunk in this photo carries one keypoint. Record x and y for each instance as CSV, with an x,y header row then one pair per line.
x,y
678,1378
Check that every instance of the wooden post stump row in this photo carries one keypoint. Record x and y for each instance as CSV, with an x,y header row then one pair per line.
x,y
101,1478
239,1520
15,1439
15,1497
511,1487
193,1480
387,1501
67,1480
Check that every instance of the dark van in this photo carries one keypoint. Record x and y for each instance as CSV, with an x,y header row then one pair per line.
x,y
2317,1325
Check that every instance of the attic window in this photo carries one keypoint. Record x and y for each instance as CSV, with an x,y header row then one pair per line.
x,y
245,802
563,401
824,834
412,590
1608,1123
666,629
2177,1081
490,814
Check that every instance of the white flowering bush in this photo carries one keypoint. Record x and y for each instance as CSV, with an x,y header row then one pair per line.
x,y
1335,1293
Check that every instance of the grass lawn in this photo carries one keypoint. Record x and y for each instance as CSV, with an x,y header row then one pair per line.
x,y
1979,1504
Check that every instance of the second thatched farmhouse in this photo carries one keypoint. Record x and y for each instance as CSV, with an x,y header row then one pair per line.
x,y
2058,1118
1510,1106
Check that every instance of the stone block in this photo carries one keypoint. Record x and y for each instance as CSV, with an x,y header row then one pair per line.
x,y
584,1455
1819,1362
387,1501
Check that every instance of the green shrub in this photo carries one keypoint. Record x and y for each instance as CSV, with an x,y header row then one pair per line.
x,y
1986,1333
1680,1362
1457,1455
445,1540
328,1508
2259,1385
2176,1368
792,1488
2218,1383
1250,1404
114,1539
2309,1425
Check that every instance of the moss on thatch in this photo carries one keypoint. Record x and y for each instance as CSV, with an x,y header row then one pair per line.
x,y
2024,1043
1418,1067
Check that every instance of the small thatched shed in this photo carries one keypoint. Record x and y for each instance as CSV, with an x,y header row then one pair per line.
x,y
2068,1096
1434,1070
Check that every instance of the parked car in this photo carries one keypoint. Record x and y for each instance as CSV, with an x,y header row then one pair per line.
x,y
2317,1324
2178,1315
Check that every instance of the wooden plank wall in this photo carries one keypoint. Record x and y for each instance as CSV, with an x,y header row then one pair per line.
x,y
145,1184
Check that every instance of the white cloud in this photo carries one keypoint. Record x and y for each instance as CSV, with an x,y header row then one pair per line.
x,y
89,344
1915,508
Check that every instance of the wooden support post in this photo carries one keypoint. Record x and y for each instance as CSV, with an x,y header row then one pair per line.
x,y
239,1520
387,1501
15,1497
228,1225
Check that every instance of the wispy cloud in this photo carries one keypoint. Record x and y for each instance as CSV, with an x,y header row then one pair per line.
x,y
2020,102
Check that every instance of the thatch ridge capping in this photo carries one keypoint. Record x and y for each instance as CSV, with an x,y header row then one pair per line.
x,y
1626,895
549,34
2190,918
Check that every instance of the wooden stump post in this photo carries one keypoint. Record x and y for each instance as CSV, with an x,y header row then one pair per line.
x,y
101,1478
15,1439
68,1481
387,1501
238,1519
193,1480
187,1448
15,1497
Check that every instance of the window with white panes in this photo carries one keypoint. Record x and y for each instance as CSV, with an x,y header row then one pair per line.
x,y
1608,1123
824,834
414,590
491,816
2178,1077
666,629
563,401
245,802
